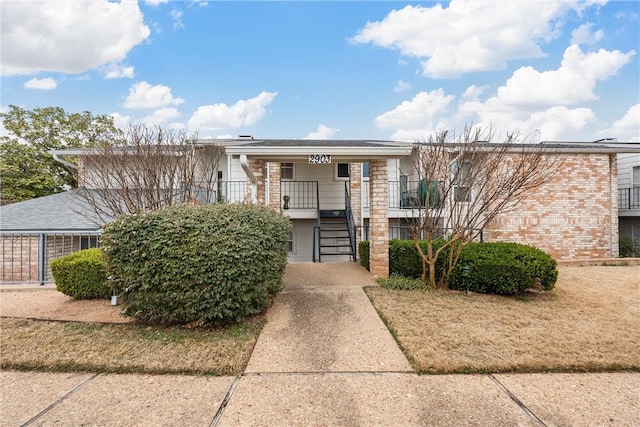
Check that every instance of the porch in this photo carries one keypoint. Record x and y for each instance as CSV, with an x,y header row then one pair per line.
x,y
322,180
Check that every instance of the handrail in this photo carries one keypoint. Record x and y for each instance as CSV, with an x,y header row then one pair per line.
x,y
350,221
317,241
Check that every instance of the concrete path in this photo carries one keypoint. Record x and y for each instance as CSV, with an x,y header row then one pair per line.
x,y
323,359
322,321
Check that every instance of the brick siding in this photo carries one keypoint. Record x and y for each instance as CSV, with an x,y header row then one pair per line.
x,y
573,216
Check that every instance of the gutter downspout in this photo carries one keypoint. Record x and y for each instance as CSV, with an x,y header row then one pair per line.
x,y
64,162
254,182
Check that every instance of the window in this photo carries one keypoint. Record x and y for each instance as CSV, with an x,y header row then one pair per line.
x,y
636,176
365,170
342,171
290,242
286,171
462,191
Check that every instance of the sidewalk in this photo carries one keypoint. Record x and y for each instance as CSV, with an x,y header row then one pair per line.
x,y
322,399
324,358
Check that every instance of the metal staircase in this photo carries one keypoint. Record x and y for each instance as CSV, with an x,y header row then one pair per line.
x,y
334,234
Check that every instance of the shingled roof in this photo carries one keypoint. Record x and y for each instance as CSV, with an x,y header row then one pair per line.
x,y
57,212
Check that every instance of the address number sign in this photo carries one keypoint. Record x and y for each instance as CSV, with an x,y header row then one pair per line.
x,y
319,159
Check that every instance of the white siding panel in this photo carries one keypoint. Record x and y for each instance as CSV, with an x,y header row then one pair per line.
x,y
626,162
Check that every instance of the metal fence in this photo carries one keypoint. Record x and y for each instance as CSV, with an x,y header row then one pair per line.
x,y
26,255
406,233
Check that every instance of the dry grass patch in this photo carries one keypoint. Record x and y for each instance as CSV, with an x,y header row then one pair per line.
x,y
589,322
73,346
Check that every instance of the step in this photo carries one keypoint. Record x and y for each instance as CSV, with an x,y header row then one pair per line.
x,y
336,254
333,213
337,245
334,230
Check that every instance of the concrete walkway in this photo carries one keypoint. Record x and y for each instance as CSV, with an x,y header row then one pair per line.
x,y
322,321
323,359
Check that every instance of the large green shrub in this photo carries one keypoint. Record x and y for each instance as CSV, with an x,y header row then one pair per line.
x,y
493,267
81,275
203,264
503,268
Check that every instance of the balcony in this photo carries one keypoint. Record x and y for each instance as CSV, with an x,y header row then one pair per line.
x,y
629,199
219,192
402,195
300,195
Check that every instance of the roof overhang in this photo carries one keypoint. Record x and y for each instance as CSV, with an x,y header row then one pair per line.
x,y
300,150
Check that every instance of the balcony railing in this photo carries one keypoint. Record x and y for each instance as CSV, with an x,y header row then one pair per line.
x,y
299,194
629,198
402,195
220,192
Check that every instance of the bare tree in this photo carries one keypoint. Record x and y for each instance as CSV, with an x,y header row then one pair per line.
x,y
147,169
464,184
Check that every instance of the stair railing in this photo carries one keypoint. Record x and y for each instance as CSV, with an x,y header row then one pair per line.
x,y
316,229
351,226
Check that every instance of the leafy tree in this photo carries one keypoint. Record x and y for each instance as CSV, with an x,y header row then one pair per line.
x,y
28,170
23,174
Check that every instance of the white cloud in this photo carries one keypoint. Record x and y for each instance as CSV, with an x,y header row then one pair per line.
x,y
176,17
584,35
222,116
120,121
418,114
470,35
627,128
161,116
473,92
42,84
322,132
67,36
118,71
402,86
144,96
548,101
155,2
573,82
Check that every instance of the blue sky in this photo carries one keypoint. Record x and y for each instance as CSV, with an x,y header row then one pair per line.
x,y
552,70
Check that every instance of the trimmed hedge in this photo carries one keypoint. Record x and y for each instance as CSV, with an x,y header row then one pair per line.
x,y
197,264
493,267
504,268
81,275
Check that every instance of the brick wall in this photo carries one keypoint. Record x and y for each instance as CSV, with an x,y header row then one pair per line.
x,y
355,194
573,216
275,198
19,258
379,221
257,167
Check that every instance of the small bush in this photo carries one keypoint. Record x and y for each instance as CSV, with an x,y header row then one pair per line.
x,y
197,264
401,283
627,248
503,269
81,275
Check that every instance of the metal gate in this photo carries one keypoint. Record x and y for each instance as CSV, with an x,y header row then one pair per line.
x,y
25,256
